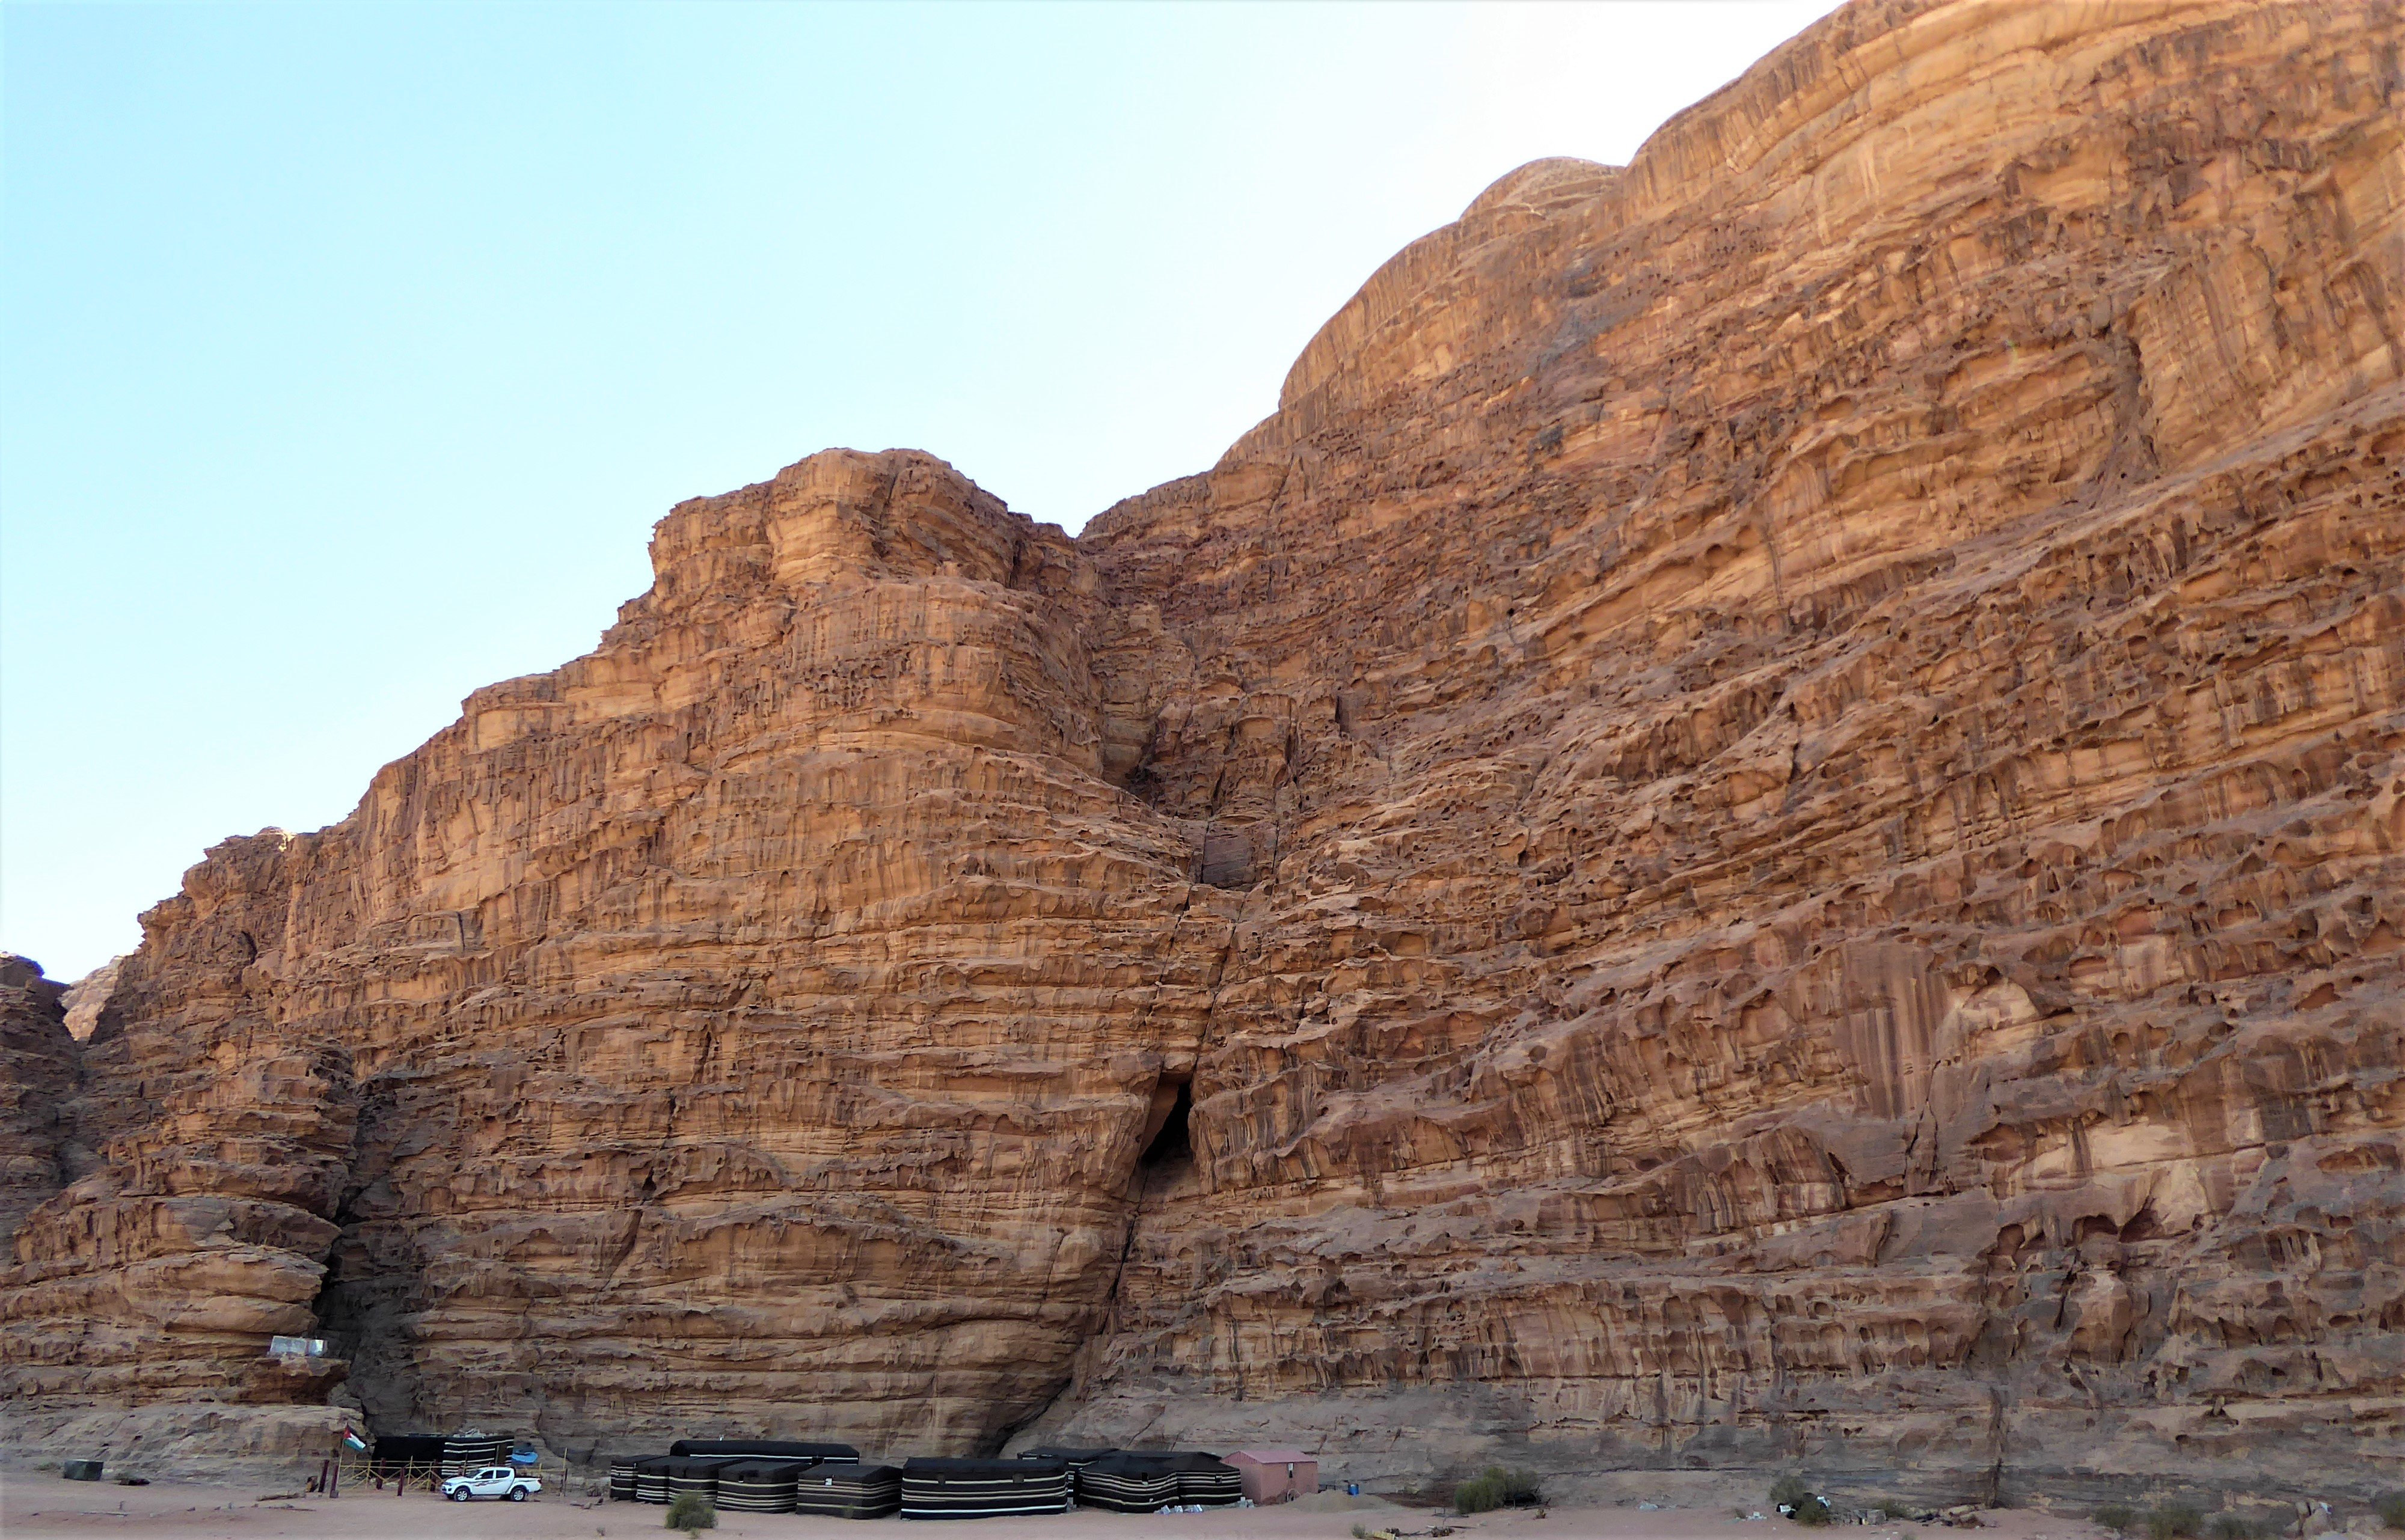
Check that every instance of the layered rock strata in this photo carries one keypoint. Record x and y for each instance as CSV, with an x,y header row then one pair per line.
x,y
37,1073
1764,826
757,1016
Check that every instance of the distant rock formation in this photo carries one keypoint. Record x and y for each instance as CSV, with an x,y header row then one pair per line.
x,y
89,996
1763,827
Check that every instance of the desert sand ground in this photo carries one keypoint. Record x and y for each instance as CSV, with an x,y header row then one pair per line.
x,y
35,1505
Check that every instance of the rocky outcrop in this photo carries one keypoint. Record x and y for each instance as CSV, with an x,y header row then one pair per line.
x,y
1764,826
37,1072
88,996
759,1015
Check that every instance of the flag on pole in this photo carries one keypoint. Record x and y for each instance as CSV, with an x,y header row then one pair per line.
x,y
354,1440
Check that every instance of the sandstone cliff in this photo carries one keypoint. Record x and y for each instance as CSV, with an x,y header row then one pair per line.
x,y
1763,825
88,996
37,1072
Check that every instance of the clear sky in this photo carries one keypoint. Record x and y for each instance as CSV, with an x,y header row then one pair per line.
x,y
348,353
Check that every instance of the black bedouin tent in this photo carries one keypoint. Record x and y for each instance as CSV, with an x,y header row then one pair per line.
x,y
622,1474
982,1488
687,1474
762,1448
759,1486
651,1478
1146,1480
1209,1481
1076,1459
1127,1483
842,1490
403,1452
464,1452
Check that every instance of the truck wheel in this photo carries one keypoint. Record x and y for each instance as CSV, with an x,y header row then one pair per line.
x,y
458,1494
517,1494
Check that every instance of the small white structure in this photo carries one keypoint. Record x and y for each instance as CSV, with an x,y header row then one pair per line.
x,y
296,1347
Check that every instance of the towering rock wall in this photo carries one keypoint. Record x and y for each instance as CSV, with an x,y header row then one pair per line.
x,y
1764,824
1814,725
754,1022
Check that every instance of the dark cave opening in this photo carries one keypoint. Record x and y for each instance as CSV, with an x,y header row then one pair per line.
x,y
1174,1144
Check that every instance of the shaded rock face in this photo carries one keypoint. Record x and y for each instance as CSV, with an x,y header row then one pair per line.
x,y
37,1073
1765,825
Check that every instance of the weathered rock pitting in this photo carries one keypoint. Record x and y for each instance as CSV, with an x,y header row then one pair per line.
x,y
1765,825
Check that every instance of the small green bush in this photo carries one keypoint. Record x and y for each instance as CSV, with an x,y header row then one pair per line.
x,y
2391,1509
692,1511
2175,1522
2229,1526
1497,1487
2116,1516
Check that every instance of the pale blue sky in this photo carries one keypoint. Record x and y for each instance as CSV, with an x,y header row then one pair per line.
x,y
348,353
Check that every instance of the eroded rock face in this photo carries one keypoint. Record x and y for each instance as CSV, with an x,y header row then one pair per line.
x,y
1764,826
37,1072
754,1020
88,996
1817,718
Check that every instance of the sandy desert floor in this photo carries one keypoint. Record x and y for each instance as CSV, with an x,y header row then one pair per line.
x,y
40,1506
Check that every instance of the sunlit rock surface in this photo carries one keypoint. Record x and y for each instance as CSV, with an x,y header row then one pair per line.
x,y
1764,826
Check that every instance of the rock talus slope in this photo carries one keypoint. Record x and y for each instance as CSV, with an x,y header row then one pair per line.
x,y
1765,825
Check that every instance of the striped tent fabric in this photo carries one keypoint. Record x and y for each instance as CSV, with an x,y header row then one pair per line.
x,y
468,1453
759,1486
982,1488
695,1475
1127,1483
764,1449
651,1478
622,1477
1076,1459
1208,1481
843,1489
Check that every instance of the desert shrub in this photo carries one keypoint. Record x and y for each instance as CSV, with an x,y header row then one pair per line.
x,y
692,1511
1804,1505
1497,1487
2174,1522
2229,1526
2391,1509
2116,1516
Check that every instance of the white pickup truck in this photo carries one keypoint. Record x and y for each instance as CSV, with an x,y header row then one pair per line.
x,y
492,1481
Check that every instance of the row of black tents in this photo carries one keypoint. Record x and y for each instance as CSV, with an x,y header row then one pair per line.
x,y
770,1476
